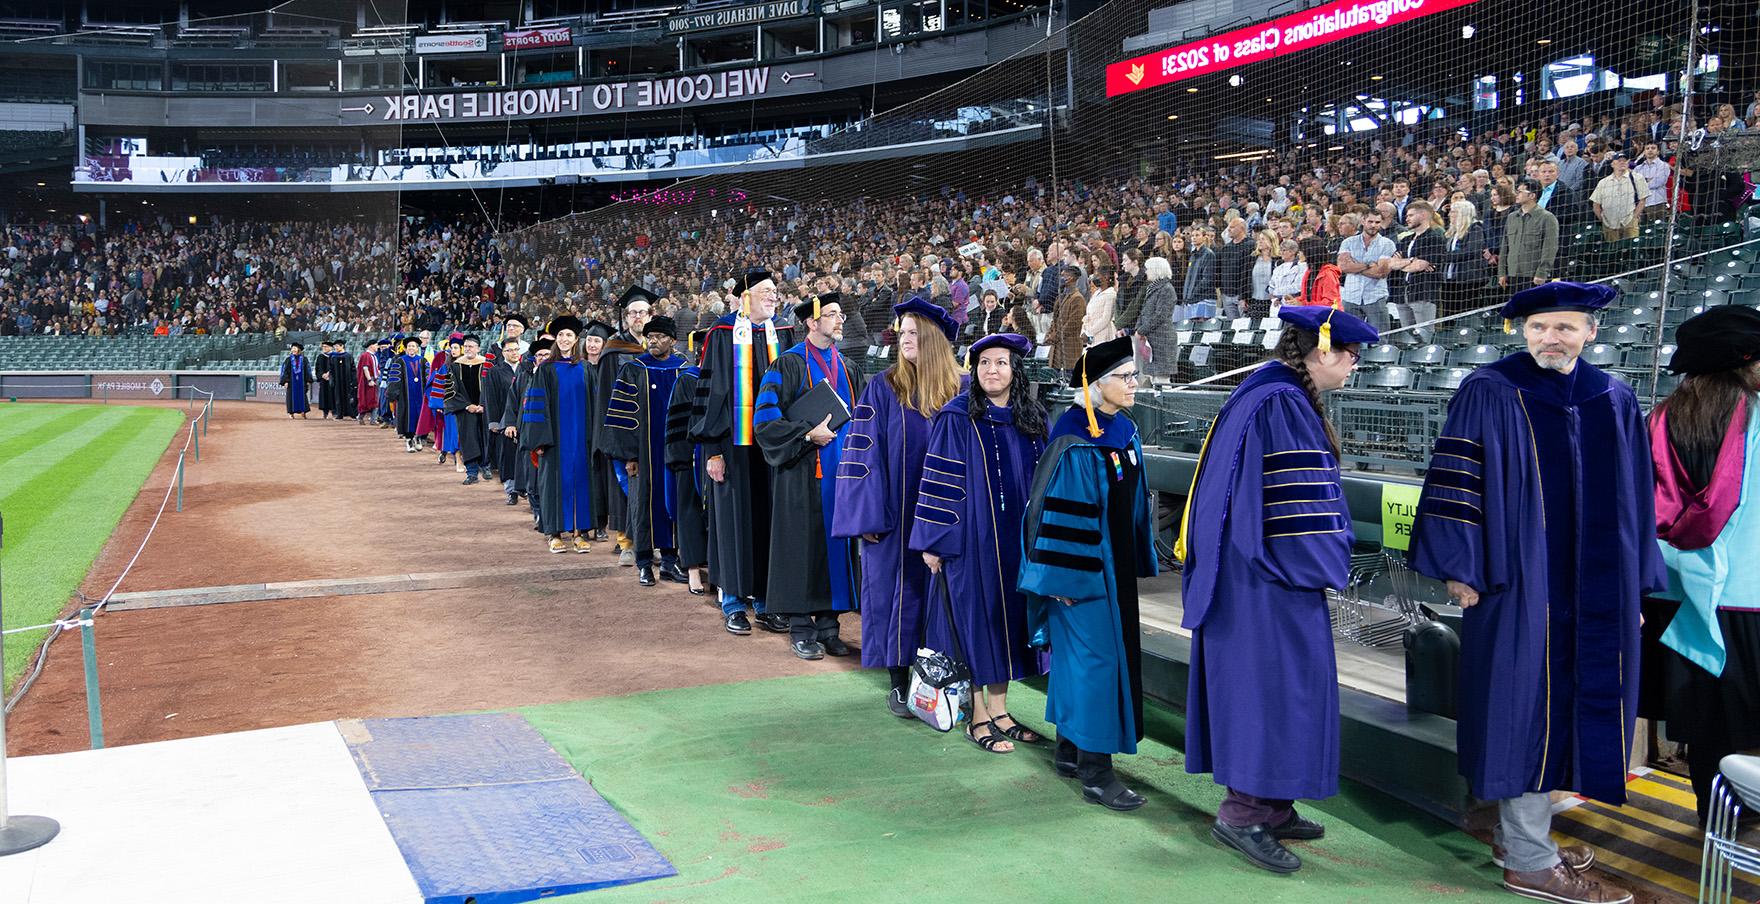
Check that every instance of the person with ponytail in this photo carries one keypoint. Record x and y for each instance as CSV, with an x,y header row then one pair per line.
x,y
983,447
878,479
1265,534
1705,446
1088,535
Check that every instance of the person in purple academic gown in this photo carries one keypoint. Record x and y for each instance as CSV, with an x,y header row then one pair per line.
x,y
556,422
406,388
296,375
1088,535
1266,531
1538,511
877,483
983,447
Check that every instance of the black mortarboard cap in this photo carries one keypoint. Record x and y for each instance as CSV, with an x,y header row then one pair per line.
x,y
661,324
1723,338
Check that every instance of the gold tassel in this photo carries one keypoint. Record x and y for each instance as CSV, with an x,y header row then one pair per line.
x,y
1088,402
745,304
690,344
1508,327
1325,344
815,307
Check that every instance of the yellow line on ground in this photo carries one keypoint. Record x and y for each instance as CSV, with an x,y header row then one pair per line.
x,y
1634,834
1664,791
1652,874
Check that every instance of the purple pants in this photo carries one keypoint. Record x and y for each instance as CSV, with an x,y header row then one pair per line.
x,y
1241,810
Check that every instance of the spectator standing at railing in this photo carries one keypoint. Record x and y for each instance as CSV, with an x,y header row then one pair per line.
x,y
1530,241
1362,258
1464,270
1656,173
1234,263
1155,337
1198,290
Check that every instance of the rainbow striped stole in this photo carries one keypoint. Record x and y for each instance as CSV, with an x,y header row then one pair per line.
x,y
745,377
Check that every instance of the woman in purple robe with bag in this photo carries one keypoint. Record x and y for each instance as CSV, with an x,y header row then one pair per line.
x,y
877,484
978,479
1266,532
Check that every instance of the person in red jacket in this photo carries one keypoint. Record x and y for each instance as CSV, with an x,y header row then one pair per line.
x,y
366,381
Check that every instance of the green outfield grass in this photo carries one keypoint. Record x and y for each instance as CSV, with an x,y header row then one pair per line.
x,y
67,473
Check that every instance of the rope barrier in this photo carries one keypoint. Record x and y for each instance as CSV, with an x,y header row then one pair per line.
x,y
97,606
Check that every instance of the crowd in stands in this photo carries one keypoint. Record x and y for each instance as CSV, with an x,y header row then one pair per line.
x,y
1423,213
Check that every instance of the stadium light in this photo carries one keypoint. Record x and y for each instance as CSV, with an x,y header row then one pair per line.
x,y
192,219
1234,81
1172,116
1376,78
1191,91
1544,41
1467,32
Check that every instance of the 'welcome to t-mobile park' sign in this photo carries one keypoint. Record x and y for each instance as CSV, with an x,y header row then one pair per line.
x,y
582,100
1289,34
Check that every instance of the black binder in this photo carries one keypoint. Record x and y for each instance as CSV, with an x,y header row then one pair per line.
x,y
816,403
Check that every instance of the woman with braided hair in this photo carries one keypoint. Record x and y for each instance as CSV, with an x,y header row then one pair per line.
x,y
1266,532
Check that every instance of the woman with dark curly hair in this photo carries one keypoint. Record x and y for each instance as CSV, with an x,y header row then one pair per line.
x,y
983,447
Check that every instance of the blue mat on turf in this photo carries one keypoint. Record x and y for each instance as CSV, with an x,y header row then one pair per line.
x,y
484,810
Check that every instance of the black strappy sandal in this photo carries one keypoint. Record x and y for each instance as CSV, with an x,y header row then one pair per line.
x,y
989,740
1018,733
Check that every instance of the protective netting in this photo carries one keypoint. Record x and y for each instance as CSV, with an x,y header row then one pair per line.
x,y
1146,129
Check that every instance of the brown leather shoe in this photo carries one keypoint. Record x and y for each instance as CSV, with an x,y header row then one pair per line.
x,y
1579,857
1563,886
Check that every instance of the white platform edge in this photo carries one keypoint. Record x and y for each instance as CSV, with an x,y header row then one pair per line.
x,y
275,816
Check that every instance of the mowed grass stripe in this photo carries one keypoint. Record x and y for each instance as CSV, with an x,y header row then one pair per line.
x,y
57,522
27,430
45,457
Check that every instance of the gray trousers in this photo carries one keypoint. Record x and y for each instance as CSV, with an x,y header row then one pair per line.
x,y
1524,831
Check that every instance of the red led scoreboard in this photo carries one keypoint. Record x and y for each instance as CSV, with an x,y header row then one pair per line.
x,y
1289,34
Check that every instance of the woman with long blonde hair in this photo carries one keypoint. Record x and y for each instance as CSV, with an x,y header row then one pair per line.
x,y
878,481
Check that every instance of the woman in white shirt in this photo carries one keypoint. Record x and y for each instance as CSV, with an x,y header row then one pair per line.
x,y
1097,321
1290,274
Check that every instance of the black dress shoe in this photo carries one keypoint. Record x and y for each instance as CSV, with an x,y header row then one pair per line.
x,y
895,703
1114,796
645,576
470,480
1299,828
808,649
836,647
737,623
512,499
671,572
775,624
1256,844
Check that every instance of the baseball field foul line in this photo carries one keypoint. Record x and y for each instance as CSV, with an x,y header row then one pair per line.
x,y
362,586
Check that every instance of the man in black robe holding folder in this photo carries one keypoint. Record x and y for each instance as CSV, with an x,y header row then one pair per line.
x,y
802,418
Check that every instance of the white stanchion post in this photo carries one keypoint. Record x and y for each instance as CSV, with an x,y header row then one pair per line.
x,y
18,833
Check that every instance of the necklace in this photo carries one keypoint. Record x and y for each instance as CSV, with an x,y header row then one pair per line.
x,y
996,462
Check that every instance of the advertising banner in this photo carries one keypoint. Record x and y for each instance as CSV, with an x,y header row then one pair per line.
x,y
1293,33
581,100
468,43
535,38
734,16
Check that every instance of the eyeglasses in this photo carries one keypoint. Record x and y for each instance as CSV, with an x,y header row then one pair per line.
x,y
1132,377
1356,355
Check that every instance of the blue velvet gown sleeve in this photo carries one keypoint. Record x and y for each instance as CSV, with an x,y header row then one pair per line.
x,y
1305,537
864,506
1064,535
537,421
623,434
1449,531
942,520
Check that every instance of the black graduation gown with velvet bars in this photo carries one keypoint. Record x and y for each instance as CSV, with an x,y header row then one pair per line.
x,y
690,506
501,410
635,430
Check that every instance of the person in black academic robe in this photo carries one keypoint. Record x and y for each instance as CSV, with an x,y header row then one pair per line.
x,y
326,381
406,391
685,459
296,375
634,434
499,409
342,382
604,367
740,348
620,347
465,402
556,422
1538,511
812,574
525,474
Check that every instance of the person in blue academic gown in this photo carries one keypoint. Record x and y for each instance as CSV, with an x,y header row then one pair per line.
x,y
877,484
1538,512
812,573
1089,535
296,375
635,433
1265,533
983,447
406,388
556,422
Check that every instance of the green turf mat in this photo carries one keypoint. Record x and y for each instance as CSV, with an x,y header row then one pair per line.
x,y
807,789
67,473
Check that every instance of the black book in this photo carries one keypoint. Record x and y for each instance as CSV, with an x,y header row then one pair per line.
x,y
816,403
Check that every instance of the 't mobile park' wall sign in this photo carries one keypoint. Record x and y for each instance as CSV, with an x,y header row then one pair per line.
x,y
580,100
1256,43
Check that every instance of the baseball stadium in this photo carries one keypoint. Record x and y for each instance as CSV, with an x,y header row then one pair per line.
x,y
873,450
